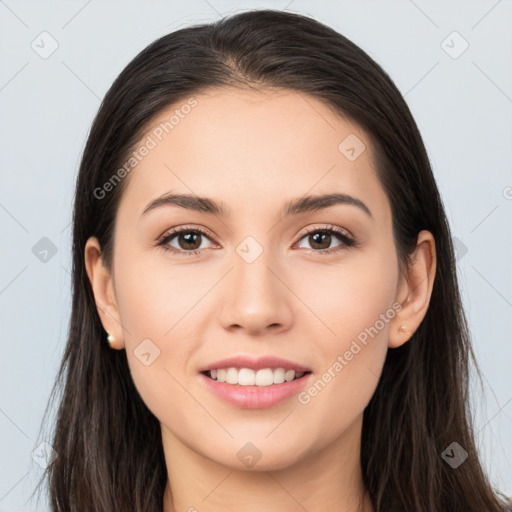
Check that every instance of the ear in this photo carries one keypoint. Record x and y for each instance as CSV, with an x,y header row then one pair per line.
x,y
103,289
414,290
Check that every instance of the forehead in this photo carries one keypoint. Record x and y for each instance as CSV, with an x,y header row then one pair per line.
x,y
252,148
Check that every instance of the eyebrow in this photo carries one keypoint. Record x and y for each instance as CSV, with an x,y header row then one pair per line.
x,y
291,207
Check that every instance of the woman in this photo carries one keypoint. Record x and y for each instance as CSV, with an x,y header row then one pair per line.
x,y
266,313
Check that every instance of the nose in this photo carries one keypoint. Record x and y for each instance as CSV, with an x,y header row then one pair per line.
x,y
255,298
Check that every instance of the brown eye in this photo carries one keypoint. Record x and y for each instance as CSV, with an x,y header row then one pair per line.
x,y
189,240
184,241
320,240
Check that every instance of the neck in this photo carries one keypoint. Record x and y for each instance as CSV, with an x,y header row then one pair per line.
x,y
328,479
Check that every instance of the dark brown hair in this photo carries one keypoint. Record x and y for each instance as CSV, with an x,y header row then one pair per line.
x,y
110,454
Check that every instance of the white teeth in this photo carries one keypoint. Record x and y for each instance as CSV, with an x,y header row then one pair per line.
x,y
289,375
232,376
278,375
248,377
264,377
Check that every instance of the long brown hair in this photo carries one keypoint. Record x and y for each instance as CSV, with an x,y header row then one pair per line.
x,y
110,454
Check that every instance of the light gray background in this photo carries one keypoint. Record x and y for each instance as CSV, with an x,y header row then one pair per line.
x,y
463,107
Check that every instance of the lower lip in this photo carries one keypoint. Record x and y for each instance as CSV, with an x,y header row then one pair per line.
x,y
255,397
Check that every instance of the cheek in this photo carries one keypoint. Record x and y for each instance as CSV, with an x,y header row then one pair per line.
x,y
346,299
158,308
348,377
354,305
155,297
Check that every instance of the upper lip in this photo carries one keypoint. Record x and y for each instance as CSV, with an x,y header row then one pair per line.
x,y
255,363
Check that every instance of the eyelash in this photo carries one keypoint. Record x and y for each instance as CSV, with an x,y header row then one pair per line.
x,y
347,240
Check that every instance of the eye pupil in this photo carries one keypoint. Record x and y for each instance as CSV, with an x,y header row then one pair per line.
x,y
323,237
189,240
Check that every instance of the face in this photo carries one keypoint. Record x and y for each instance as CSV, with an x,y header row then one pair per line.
x,y
263,275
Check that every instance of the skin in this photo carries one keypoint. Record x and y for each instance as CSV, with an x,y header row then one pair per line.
x,y
253,151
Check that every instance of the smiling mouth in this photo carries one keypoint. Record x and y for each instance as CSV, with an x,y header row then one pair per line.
x,y
248,377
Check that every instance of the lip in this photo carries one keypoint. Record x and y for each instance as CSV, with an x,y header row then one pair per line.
x,y
255,364
255,397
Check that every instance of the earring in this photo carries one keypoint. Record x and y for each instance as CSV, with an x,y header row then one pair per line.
x,y
110,339
403,328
